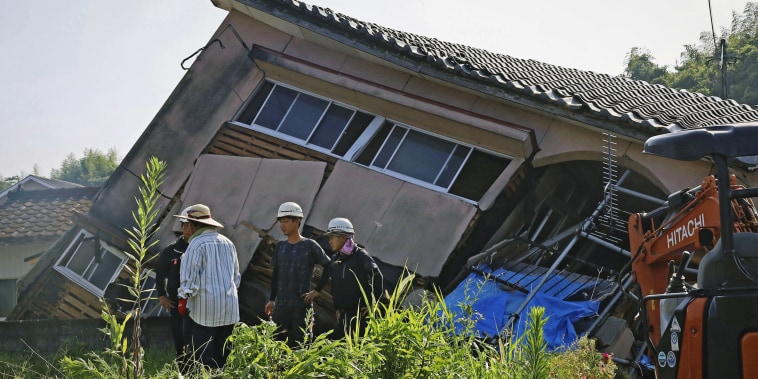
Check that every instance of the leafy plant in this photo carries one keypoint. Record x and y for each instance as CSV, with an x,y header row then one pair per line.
x,y
119,360
529,351
582,360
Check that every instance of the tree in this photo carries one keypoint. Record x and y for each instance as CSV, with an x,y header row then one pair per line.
x,y
93,169
7,182
699,69
640,66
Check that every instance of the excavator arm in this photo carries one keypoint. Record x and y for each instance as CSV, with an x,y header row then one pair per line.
x,y
690,222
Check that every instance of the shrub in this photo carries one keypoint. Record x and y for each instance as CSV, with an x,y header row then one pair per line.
x,y
581,360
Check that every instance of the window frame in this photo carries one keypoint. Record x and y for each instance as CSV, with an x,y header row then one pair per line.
x,y
363,140
415,180
286,137
74,276
151,306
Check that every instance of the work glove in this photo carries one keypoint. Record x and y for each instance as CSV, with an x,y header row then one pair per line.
x,y
182,307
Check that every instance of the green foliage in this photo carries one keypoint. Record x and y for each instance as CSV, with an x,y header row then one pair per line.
x,y
159,364
7,182
640,65
530,349
400,342
120,360
581,360
699,69
92,170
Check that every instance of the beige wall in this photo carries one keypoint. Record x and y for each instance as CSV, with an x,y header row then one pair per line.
x,y
13,256
394,93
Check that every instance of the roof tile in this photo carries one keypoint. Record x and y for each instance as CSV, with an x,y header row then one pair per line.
x,y
42,213
638,103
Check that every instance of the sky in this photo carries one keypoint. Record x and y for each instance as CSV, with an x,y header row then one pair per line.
x,y
92,74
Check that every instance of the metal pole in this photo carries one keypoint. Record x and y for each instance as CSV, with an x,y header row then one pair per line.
x,y
627,282
586,225
533,291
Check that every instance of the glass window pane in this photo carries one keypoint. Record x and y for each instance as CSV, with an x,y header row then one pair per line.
x,y
452,166
357,126
478,174
305,114
331,126
106,268
390,145
83,256
368,154
276,107
421,156
255,104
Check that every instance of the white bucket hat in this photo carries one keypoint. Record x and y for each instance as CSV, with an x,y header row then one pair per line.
x,y
199,213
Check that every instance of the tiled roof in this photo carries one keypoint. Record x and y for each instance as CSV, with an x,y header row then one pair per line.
x,y
41,182
634,104
56,183
42,214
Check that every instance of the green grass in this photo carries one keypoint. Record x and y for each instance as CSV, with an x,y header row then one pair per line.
x,y
34,365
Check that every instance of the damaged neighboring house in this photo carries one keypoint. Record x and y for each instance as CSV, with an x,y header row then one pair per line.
x,y
442,155
36,212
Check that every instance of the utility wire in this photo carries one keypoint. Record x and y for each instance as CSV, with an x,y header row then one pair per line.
x,y
713,31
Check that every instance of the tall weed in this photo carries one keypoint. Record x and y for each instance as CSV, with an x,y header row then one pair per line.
x,y
121,360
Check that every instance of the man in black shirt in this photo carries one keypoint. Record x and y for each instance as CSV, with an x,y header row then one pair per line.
x,y
167,284
293,263
353,273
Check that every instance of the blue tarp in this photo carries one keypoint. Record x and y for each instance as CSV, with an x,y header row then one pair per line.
x,y
492,304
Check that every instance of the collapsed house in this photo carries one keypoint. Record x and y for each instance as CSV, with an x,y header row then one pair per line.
x,y
444,157
36,212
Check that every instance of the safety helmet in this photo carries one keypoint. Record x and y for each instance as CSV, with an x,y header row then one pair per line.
x,y
290,209
340,225
184,215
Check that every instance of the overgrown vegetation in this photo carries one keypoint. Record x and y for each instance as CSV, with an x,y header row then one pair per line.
x,y
412,343
158,363
122,359
399,343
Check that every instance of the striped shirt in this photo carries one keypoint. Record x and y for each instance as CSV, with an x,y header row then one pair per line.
x,y
209,279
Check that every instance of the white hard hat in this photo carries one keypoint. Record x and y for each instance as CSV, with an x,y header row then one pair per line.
x,y
290,209
184,215
340,225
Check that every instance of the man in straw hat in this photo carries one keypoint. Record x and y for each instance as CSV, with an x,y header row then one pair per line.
x,y
209,278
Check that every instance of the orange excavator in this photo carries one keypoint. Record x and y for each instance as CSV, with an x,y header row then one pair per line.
x,y
696,262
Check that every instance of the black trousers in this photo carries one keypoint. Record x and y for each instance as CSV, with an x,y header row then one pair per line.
x,y
178,331
290,323
207,345
347,322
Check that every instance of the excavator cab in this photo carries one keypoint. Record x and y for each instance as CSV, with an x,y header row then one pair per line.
x,y
713,332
